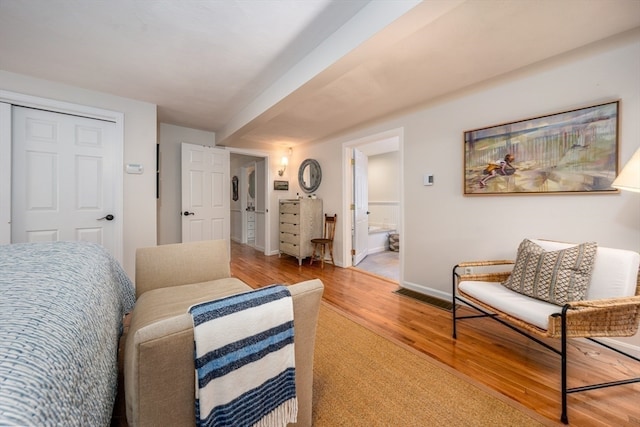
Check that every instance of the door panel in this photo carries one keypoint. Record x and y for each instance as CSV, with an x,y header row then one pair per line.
x,y
205,193
63,178
5,173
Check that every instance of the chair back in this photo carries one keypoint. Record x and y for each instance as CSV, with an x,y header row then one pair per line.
x,y
330,226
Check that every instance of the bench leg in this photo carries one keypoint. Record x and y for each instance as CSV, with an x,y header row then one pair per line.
x,y
563,357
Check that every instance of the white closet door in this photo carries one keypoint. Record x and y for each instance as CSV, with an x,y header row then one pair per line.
x,y
63,178
5,173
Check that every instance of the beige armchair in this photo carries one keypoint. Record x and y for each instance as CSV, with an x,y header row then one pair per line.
x,y
158,355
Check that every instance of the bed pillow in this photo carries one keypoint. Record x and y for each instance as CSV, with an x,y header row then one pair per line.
x,y
557,277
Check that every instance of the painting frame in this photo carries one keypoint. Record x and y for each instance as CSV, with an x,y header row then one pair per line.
x,y
281,185
571,152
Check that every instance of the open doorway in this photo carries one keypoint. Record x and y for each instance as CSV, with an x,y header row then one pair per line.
x,y
373,204
248,216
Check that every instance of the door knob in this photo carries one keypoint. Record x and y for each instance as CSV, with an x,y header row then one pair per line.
x,y
187,213
107,217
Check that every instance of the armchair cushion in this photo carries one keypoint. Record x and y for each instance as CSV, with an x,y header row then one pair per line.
x,y
557,276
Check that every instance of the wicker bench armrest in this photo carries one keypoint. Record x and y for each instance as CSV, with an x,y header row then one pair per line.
x,y
483,277
486,277
611,317
485,263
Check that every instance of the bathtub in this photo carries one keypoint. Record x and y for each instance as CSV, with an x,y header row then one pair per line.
x,y
379,238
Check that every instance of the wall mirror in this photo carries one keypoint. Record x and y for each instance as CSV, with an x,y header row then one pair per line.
x,y
309,175
252,184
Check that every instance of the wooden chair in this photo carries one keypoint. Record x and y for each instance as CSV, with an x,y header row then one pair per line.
x,y
326,241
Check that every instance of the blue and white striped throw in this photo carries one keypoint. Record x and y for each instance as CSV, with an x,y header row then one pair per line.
x,y
244,359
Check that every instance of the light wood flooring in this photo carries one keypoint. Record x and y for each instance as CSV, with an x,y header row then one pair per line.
x,y
484,351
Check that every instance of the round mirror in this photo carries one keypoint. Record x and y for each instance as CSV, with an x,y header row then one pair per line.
x,y
309,175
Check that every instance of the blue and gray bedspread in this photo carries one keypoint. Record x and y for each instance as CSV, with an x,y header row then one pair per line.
x,y
61,308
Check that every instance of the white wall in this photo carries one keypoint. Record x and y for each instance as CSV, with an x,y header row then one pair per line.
x,y
384,192
441,226
170,204
140,124
384,177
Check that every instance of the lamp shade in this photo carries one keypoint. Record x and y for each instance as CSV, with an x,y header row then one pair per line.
x,y
629,178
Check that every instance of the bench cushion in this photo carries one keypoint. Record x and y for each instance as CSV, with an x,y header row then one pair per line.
x,y
527,309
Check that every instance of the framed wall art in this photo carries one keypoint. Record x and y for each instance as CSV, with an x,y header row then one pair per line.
x,y
281,185
565,153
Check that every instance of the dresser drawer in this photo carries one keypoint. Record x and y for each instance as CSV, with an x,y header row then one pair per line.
x,y
290,228
290,207
290,238
290,248
290,218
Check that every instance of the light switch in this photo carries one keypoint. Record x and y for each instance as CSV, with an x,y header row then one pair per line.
x,y
427,179
135,168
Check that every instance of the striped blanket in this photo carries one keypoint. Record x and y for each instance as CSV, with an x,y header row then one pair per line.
x,y
244,359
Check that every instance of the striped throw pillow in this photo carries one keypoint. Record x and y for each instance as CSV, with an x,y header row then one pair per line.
x,y
557,277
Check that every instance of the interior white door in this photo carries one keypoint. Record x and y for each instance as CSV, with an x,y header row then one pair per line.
x,y
205,193
62,183
261,205
5,173
361,202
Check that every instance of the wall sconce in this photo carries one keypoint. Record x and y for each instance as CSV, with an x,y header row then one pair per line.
x,y
283,164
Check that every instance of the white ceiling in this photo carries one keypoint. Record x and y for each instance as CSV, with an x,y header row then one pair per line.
x,y
290,71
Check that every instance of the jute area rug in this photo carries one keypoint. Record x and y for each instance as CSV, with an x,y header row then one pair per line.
x,y
363,379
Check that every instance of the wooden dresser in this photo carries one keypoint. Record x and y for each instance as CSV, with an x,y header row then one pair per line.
x,y
300,221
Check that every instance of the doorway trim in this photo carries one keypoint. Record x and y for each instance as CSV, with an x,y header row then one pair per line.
x,y
267,190
116,117
347,190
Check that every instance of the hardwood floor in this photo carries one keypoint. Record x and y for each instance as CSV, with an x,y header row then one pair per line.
x,y
484,351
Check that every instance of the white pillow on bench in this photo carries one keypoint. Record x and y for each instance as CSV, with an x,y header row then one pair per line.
x,y
615,271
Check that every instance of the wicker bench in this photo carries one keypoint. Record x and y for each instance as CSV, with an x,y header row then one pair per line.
x,y
611,307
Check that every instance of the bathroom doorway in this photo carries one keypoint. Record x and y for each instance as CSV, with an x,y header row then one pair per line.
x,y
370,247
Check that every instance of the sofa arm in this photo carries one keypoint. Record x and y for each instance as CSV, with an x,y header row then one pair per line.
x,y
306,308
159,365
181,264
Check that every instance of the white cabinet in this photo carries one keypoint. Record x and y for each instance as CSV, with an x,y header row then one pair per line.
x,y
251,226
300,221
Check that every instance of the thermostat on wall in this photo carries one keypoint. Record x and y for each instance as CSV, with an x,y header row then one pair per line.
x,y
135,168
